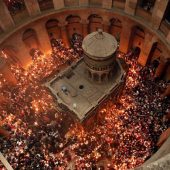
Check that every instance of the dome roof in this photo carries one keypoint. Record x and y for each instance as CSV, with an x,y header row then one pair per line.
x,y
99,44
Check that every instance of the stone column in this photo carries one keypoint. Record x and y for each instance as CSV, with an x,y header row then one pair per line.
x,y
160,68
146,48
64,34
83,2
43,38
107,4
23,52
6,20
106,26
32,7
58,4
125,36
130,6
158,13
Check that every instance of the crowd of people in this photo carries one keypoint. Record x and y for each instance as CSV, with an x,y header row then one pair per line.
x,y
42,137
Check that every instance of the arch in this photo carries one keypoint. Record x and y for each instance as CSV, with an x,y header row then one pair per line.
x,y
45,4
137,37
74,25
115,28
30,39
110,75
95,22
155,52
53,29
103,77
95,77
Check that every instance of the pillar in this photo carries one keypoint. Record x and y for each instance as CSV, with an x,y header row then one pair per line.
x,y
32,7
107,4
58,4
23,52
158,13
83,2
6,20
130,6
125,36
146,48
43,38
64,34
160,68
106,26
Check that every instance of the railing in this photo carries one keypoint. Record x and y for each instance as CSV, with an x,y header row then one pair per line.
x,y
5,162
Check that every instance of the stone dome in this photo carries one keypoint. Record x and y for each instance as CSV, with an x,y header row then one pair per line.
x,y
99,45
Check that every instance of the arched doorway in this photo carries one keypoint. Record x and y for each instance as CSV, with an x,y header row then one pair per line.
x,y
74,25
95,22
53,29
30,39
116,28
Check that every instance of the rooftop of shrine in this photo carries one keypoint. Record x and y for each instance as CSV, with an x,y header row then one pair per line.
x,y
86,83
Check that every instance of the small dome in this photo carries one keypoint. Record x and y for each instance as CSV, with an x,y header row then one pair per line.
x,y
99,44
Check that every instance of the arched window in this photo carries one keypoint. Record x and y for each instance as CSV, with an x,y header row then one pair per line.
x,y
53,29
30,39
155,52
96,77
74,25
116,28
137,37
95,22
